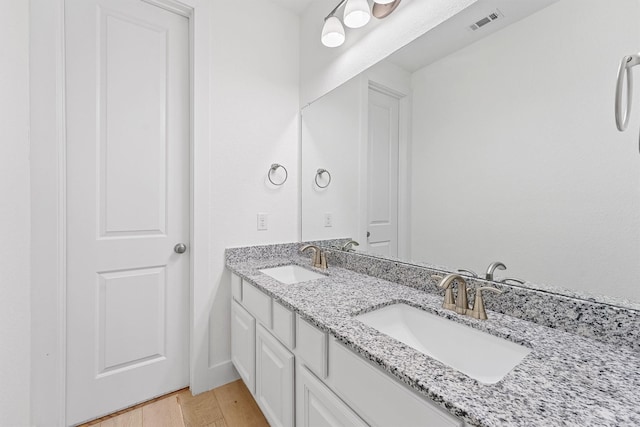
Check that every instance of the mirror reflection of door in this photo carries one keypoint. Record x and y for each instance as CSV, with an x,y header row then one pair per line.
x,y
382,173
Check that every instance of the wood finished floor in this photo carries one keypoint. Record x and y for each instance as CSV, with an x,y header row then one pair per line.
x,y
228,406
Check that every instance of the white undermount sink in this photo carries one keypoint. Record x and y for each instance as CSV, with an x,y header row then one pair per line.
x,y
291,274
484,357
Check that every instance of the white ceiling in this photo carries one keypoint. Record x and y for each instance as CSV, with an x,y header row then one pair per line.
x,y
296,6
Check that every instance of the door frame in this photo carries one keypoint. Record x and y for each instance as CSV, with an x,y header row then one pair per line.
x,y
49,198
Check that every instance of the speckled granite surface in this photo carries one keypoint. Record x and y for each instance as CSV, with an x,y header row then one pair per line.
x,y
575,313
567,380
571,293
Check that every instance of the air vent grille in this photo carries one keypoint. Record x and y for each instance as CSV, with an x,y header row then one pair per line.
x,y
486,20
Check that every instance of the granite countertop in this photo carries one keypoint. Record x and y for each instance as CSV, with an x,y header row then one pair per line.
x,y
566,380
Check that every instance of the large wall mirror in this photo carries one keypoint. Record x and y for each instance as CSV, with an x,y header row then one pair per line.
x,y
490,138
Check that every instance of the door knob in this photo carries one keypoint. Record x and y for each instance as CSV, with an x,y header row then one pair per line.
x,y
180,248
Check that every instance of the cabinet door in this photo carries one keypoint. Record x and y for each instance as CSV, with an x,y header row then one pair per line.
x,y
317,406
274,379
243,344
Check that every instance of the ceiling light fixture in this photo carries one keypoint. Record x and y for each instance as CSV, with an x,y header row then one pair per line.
x,y
357,14
332,32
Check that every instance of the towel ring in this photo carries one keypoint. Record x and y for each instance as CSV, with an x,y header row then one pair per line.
x,y
319,173
274,167
622,111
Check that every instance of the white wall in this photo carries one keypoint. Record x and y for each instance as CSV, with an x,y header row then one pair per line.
x,y
254,123
15,325
323,69
518,156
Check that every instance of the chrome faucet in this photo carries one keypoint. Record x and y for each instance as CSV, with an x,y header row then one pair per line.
x,y
348,247
319,258
461,304
493,267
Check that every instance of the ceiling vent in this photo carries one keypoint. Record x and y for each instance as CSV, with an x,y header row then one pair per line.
x,y
486,20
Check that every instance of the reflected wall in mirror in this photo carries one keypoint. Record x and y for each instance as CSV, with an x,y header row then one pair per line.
x,y
498,144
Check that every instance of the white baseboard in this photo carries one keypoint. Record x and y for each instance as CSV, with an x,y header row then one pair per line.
x,y
216,376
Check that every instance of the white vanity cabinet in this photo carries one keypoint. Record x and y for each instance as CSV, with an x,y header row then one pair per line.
x,y
301,376
265,364
243,344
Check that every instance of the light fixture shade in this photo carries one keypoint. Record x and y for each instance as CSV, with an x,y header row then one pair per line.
x,y
332,32
383,1
356,13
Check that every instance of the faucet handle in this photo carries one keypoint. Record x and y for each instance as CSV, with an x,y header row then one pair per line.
x,y
478,311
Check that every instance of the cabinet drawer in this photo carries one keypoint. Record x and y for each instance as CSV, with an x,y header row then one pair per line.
x,y
283,324
236,287
370,392
257,302
311,346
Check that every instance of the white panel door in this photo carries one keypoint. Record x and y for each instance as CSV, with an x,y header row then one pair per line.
x,y
382,174
127,82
